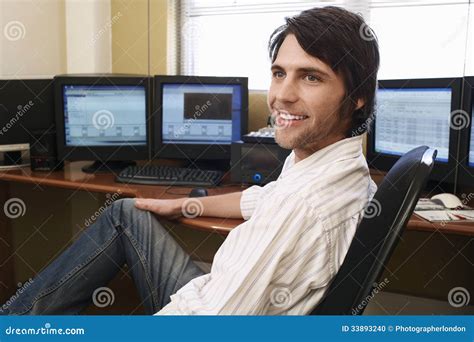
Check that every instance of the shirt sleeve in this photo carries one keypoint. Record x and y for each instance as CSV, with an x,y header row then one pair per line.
x,y
250,197
270,262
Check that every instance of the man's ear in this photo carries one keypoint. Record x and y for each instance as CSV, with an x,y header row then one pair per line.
x,y
360,104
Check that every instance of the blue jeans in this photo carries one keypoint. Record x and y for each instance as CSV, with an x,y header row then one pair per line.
x,y
122,235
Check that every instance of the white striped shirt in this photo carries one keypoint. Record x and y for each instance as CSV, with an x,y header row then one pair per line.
x,y
295,237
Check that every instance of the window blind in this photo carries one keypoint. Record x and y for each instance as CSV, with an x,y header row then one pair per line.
x,y
418,39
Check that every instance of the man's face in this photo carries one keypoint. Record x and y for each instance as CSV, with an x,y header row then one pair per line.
x,y
304,98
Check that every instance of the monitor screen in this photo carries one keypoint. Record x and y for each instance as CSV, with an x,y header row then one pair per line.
x,y
201,113
104,115
411,117
471,144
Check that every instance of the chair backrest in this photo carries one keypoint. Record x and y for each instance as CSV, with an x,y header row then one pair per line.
x,y
385,217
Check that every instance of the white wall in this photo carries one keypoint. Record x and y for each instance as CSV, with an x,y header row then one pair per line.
x,y
50,37
469,69
89,36
32,38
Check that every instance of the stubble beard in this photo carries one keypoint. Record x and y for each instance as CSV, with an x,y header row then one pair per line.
x,y
306,136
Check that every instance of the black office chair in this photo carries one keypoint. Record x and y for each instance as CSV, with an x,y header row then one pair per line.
x,y
378,233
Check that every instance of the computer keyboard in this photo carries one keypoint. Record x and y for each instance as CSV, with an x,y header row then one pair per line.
x,y
169,175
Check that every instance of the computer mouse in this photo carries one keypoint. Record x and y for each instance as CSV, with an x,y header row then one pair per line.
x,y
198,192
450,201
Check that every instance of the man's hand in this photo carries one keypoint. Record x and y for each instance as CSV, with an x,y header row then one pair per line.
x,y
170,208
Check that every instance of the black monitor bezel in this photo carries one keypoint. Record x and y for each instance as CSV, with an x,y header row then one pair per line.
x,y
465,175
41,92
101,153
195,152
442,172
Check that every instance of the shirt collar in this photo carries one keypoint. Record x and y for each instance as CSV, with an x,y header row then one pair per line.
x,y
343,149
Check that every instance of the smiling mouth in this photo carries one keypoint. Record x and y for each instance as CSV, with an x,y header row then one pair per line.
x,y
284,119
288,116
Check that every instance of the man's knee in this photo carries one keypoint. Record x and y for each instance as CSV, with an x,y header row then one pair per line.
x,y
123,204
123,211
136,221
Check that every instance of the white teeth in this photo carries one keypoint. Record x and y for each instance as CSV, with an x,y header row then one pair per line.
x,y
288,116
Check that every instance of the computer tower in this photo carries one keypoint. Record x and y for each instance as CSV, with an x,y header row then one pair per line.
x,y
256,163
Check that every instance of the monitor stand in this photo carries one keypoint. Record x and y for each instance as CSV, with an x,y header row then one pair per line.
x,y
107,167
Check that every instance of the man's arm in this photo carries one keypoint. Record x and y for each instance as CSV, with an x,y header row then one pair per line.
x,y
227,205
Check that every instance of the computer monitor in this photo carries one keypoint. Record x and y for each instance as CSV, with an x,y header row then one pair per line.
x,y
103,118
196,118
411,113
26,106
465,175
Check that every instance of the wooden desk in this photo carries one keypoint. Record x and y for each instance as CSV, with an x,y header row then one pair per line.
x,y
73,178
416,223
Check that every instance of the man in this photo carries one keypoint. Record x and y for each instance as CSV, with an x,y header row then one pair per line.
x,y
297,229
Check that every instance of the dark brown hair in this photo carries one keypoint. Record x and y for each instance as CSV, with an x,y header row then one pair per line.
x,y
342,40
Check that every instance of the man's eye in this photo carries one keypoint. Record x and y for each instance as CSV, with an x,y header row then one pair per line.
x,y
278,74
312,78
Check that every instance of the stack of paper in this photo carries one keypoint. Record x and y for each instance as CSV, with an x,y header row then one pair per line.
x,y
434,211
446,215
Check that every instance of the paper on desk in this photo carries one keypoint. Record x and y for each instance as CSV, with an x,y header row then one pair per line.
x,y
428,204
446,215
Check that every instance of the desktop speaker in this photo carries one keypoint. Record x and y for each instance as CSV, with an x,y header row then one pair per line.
x,y
43,152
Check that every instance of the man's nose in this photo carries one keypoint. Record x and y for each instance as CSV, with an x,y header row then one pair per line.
x,y
287,91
